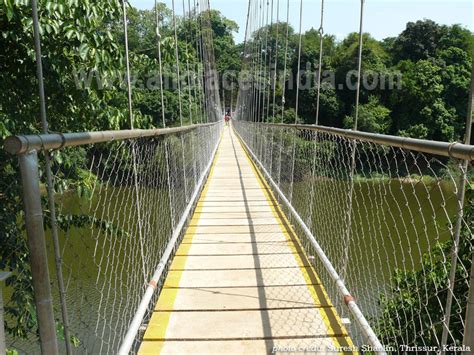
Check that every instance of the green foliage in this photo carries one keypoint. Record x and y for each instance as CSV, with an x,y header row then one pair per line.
x,y
75,341
82,44
289,116
142,29
430,279
414,85
83,40
373,117
76,35
417,130
424,39
434,96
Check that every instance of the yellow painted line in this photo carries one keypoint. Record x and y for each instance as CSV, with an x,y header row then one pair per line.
x,y
167,299
330,317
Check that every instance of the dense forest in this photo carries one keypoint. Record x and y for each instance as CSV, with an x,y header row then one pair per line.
x,y
84,37
429,65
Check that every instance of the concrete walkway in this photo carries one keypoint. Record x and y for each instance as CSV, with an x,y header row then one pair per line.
x,y
240,282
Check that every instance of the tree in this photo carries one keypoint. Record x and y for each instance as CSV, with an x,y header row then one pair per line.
x,y
433,100
456,71
374,60
76,36
142,29
424,39
420,40
373,117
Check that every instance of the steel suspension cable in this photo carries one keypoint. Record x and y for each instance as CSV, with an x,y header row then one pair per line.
x,y
345,259
261,75
51,198
271,81
318,88
263,63
193,40
257,51
247,28
163,115
193,143
178,73
284,87
213,58
298,72
259,67
127,64
205,64
320,62
263,70
275,73
160,64
187,67
251,63
130,112
359,63
298,79
269,64
254,63
252,54
212,92
199,47
241,100
285,64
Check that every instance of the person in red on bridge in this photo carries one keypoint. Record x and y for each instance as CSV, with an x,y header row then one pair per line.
x,y
227,118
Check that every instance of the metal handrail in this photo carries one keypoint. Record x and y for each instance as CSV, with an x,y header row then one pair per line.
x,y
350,301
23,144
144,305
452,150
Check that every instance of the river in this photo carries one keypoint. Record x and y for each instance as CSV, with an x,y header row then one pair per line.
x,y
393,223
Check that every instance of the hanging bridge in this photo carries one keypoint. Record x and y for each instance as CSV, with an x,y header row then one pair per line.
x,y
240,276
249,236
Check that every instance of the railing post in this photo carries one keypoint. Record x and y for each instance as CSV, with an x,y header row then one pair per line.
x,y
38,254
49,177
3,347
468,340
463,181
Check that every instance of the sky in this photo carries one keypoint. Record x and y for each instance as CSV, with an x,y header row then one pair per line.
x,y
382,18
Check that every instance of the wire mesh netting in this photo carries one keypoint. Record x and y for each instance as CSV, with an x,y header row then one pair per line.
x,y
115,224
386,218
117,203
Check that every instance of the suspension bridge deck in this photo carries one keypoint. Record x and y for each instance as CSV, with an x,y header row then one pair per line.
x,y
240,281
